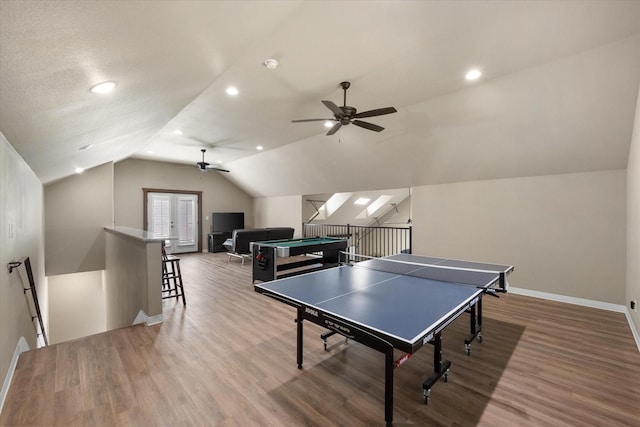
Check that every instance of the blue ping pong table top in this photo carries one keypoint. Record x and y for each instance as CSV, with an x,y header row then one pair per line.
x,y
405,303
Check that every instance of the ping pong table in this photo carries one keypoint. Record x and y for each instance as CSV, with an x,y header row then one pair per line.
x,y
398,302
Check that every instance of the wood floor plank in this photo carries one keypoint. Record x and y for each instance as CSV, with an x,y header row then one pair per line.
x,y
229,359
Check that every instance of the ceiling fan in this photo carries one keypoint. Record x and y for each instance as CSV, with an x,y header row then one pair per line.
x,y
345,115
204,166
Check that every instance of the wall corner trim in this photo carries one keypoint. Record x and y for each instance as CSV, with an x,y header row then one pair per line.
x,y
21,347
140,318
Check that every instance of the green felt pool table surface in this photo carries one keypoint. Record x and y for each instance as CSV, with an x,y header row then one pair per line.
x,y
300,242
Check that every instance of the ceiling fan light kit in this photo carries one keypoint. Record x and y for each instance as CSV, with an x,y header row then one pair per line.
x,y
349,115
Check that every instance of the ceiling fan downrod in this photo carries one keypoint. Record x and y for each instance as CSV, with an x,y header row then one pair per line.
x,y
345,86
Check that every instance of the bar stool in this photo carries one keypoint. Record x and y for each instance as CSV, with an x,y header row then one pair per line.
x,y
171,277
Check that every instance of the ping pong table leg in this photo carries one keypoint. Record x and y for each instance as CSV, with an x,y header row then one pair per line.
x,y
388,386
324,337
480,320
475,320
440,367
299,339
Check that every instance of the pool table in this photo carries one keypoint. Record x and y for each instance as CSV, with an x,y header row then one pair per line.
x,y
323,252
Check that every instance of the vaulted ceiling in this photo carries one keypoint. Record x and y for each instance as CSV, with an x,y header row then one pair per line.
x,y
557,95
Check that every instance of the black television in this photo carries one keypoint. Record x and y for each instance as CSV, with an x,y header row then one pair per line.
x,y
226,222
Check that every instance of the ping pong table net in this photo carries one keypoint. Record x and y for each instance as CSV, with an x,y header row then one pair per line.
x,y
463,276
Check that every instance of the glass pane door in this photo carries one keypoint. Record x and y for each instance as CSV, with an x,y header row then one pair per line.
x,y
174,215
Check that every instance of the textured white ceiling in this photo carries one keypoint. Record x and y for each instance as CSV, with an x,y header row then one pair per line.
x,y
558,93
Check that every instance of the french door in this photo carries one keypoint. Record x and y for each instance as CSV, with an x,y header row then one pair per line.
x,y
175,215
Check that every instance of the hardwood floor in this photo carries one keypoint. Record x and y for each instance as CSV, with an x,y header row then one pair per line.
x,y
228,359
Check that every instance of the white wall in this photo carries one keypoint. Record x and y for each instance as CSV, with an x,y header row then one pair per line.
x,y
21,201
218,193
284,211
633,220
76,210
77,306
132,278
565,234
400,216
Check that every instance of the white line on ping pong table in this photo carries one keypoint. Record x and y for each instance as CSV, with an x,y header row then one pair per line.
x,y
395,276
444,267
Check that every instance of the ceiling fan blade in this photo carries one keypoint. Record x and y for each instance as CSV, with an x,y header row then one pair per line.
x,y
368,125
216,168
334,129
224,144
201,141
376,112
334,108
312,120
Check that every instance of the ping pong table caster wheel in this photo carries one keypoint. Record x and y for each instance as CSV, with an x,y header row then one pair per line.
x,y
479,337
467,347
426,394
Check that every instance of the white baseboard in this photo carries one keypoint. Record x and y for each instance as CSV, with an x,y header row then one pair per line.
x,y
21,347
618,308
143,318
632,325
154,319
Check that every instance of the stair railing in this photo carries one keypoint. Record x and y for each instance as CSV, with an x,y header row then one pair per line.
x,y
34,305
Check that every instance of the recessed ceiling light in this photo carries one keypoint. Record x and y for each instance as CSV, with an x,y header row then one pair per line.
x,y
473,74
361,201
177,132
149,151
79,170
259,148
85,147
233,91
271,64
328,124
104,87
